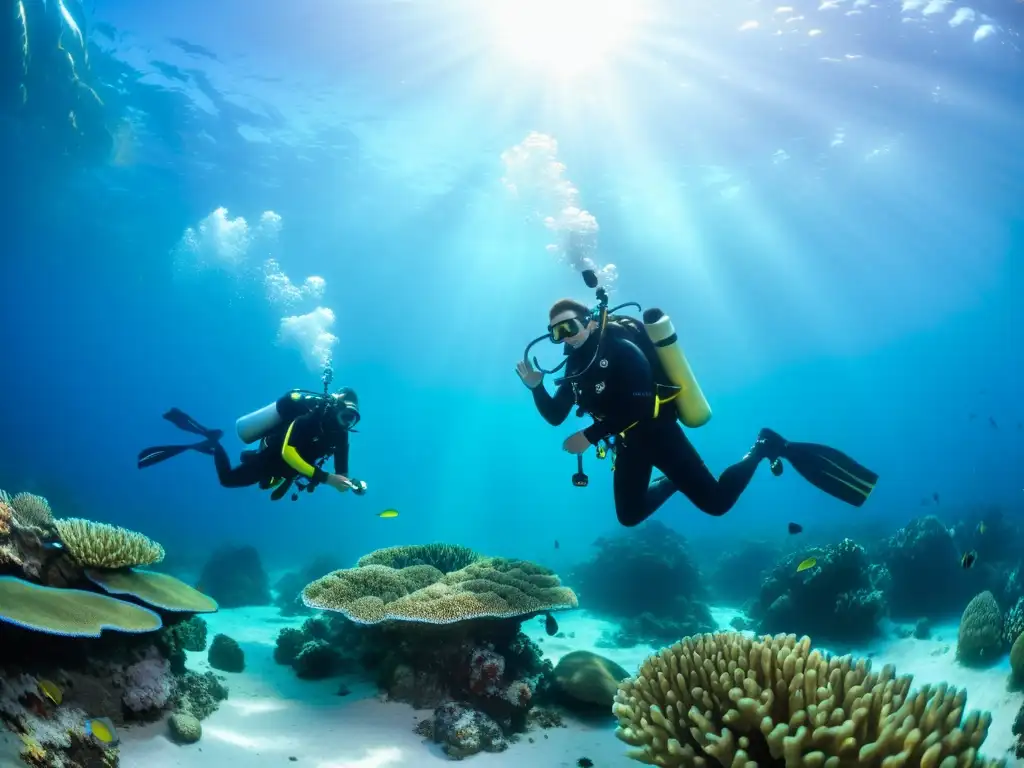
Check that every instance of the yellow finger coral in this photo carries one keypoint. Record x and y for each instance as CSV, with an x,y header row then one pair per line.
x,y
486,588
98,545
730,701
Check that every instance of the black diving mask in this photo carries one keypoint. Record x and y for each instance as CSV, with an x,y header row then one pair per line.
x,y
347,415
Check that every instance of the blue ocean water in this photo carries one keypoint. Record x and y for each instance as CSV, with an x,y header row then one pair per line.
x,y
825,197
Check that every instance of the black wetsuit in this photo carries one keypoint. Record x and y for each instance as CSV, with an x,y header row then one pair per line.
x,y
314,436
618,390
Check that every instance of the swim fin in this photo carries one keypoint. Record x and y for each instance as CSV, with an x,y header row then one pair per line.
x,y
150,456
183,421
830,470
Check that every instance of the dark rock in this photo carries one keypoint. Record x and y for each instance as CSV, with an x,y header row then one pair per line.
x,y
317,660
289,643
226,655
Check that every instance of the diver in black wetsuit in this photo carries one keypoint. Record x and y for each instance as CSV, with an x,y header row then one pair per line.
x,y
619,388
297,433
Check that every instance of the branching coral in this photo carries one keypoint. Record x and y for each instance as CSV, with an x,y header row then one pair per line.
x,y
98,545
6,518
487,588
445,557
33,510
726,701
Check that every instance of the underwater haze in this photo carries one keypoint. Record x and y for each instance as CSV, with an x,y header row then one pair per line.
x,y
826,196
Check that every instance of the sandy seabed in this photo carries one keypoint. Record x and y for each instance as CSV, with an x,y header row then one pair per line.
x,y
274,719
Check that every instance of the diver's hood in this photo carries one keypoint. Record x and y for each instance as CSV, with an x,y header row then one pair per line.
x,y
347,395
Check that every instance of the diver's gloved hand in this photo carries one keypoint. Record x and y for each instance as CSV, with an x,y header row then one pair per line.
x,y
340,483
531,376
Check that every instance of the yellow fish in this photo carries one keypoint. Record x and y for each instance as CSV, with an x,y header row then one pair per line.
x,y
810,562
388,513
51,691
102,731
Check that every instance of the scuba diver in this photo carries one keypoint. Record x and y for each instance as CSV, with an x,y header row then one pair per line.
x,y
297,433
624,373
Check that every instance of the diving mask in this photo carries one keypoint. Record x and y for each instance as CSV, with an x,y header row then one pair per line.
x,y
565,329
346,408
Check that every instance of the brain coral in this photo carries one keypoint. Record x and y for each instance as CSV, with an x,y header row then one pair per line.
x,y
98,545
486,588
726,700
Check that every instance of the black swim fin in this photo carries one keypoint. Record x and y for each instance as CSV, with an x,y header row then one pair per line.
x,y
150,456
830,470
183,421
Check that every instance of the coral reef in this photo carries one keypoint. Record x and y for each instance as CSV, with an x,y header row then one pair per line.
x,y
98,545
438,627
645,570
234,577
226,654
923,560
726,700
77,660
840,599
980,639
486,588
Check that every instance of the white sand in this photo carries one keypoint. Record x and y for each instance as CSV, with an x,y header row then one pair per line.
x,y
271,715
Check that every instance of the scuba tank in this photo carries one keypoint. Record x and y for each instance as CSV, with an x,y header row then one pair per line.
x,y
254,426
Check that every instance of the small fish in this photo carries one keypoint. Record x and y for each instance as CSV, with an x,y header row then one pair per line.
x,y
935,497
795,528
51,691
993,423
968,559
810,562
103,731
388,513
550,625
556,543
981,527
973,416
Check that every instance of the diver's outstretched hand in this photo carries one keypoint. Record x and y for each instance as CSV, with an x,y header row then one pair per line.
x,y
340,483
531,376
